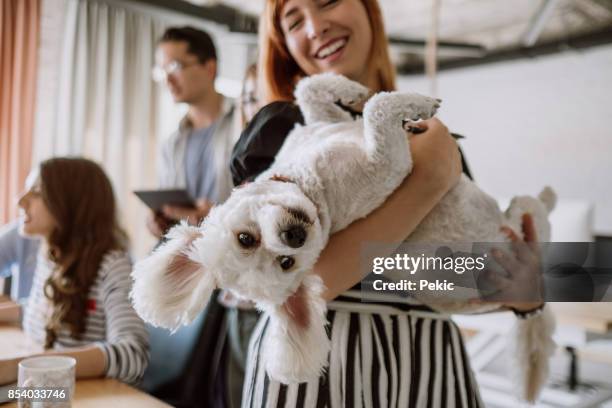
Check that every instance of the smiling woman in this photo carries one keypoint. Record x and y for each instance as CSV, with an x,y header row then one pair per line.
x,y
78,305
305,37
381,355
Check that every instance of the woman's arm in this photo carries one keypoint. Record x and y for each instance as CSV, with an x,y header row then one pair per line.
x,y
90,360
124,353
90,363
437,167
126,349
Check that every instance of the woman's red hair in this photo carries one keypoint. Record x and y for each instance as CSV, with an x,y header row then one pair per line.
x,y
278,71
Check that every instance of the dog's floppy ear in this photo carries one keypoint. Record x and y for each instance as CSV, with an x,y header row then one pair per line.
x,y
297,333
170,289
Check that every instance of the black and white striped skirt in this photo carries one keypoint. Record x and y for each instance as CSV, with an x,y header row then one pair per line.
x,y
382,355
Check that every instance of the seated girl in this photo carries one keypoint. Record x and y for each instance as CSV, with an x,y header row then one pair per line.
x,y
79,303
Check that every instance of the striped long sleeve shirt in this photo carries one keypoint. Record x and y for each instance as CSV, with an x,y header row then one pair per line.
x,y
111,322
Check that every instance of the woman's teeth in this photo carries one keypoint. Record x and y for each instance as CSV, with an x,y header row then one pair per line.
x,y
330,49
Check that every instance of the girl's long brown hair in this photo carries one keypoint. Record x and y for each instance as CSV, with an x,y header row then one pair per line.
x,y
278,71
80,197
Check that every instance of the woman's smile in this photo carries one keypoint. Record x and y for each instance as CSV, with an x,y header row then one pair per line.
x,y
332,50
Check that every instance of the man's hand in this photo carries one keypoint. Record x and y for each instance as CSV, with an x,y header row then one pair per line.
x,y
158,224
193,215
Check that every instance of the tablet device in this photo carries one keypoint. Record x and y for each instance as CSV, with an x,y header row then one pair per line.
x,y
156,199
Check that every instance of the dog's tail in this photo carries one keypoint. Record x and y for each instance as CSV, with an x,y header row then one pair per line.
x,y
170,289
533,348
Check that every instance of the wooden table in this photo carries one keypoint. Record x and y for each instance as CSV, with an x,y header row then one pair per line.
x,y
594,317
95,393
108,393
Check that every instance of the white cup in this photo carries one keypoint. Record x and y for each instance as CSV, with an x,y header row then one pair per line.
x,y
49,377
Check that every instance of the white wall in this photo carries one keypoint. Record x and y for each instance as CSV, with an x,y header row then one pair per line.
x,y
534,122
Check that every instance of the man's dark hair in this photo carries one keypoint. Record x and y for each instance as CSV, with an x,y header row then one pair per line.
x,y
199,42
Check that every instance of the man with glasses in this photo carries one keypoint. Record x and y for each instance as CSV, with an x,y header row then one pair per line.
x,y
196,156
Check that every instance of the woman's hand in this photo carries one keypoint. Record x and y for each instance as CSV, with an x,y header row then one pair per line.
x,y
523,284
436,155
8,370
437,168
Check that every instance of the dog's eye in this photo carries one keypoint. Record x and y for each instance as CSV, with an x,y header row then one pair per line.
x,y
246,240
286,262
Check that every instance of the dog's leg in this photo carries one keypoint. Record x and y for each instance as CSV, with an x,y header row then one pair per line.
x,y
539,208
329,98
170,289
384,116
296,345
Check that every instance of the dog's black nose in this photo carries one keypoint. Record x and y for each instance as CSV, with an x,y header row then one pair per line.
x,y
294,237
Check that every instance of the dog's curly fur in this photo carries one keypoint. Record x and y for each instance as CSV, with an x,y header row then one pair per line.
x,y
263,241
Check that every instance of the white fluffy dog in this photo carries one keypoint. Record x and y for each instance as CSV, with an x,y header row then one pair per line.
x,y
263,241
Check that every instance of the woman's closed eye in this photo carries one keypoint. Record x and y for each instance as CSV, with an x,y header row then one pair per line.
x,y
328,3
294,23
293,18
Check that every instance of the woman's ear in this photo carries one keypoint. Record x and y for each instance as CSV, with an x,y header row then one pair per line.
x,y
170,289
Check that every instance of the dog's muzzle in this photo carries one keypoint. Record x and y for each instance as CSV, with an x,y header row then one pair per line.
x,y
294,237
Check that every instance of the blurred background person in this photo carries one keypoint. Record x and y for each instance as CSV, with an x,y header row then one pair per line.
x,y
79,303
195,156
249,100
241,314
17,260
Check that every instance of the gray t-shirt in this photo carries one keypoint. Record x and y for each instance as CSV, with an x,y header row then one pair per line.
x,y
199,164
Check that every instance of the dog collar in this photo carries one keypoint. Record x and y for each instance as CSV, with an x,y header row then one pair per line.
x,y
281,178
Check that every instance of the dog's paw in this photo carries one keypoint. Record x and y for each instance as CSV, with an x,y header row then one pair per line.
x,y
407,107
421,107
332,88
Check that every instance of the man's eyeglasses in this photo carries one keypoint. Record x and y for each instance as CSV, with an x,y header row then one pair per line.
x,y
249,99
160,74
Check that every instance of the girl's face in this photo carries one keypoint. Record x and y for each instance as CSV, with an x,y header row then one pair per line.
x,y
36,219
328,36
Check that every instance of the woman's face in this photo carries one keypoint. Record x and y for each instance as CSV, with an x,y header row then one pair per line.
x,y
36,219
328,36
